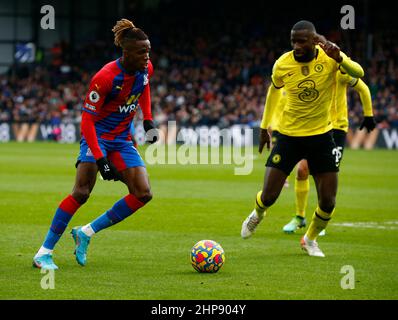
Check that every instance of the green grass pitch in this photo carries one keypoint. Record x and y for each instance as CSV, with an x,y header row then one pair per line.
x,y
147,255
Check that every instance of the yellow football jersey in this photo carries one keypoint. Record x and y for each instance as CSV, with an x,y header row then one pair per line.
x,y
339,110
276,115
309,93
310,90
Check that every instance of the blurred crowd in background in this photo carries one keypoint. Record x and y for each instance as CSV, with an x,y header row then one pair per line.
x,y
213,76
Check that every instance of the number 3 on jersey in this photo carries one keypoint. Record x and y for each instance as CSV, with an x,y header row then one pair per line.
x,y
309,92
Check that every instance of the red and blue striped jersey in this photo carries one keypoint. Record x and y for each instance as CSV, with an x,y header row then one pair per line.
x,y
111,103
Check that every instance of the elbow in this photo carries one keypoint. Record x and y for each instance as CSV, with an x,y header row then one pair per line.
x,y
356,72
360,73
353,69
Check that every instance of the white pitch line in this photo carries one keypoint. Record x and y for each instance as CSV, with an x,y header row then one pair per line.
x,y
387,225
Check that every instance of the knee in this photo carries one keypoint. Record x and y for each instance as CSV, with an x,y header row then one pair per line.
x,y
144,195
81,194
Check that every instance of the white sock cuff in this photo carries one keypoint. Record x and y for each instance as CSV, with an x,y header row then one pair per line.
x,y
307,240
42,251
88,230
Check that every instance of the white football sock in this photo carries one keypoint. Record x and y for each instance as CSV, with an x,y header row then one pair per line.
x,y
307,240
42,251
87,230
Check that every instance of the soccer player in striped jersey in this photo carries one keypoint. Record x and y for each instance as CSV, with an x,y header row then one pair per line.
x,y
307,73
106,145
340,129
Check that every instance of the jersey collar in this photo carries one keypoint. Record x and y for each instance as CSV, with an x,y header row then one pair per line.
x,y
119,64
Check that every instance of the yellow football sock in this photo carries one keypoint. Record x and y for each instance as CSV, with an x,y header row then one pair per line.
x,y
301,188
319,222
259,206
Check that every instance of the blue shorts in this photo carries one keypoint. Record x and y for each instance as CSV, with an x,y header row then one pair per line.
x,y
122,154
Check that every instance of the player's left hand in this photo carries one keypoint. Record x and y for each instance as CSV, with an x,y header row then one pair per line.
x,y
151,131
369,123
332,50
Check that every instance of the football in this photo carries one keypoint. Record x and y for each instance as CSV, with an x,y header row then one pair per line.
x,y
207,256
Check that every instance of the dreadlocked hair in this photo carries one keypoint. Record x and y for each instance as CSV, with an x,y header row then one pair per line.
x,y
125,30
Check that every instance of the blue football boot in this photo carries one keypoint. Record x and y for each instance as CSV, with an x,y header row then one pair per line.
x,y
82,241
296,223
44,262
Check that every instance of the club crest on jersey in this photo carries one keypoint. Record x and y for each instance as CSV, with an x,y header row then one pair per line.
x,y
276,158
318,67
94,96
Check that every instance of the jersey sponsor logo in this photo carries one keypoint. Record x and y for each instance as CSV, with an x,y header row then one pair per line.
x,y
128,108
130,105
318,67
309,92
89,106
132,99
276,158
94,96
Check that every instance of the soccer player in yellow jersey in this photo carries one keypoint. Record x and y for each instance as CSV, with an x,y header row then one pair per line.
x,y
340,129
308,74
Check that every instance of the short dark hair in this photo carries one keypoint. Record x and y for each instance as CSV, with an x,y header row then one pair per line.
x,y
304,25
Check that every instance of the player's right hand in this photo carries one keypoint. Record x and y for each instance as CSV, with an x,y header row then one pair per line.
x,y
265,139
107,169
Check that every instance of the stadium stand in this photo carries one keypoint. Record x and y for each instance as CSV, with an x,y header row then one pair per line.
x,y
216,75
